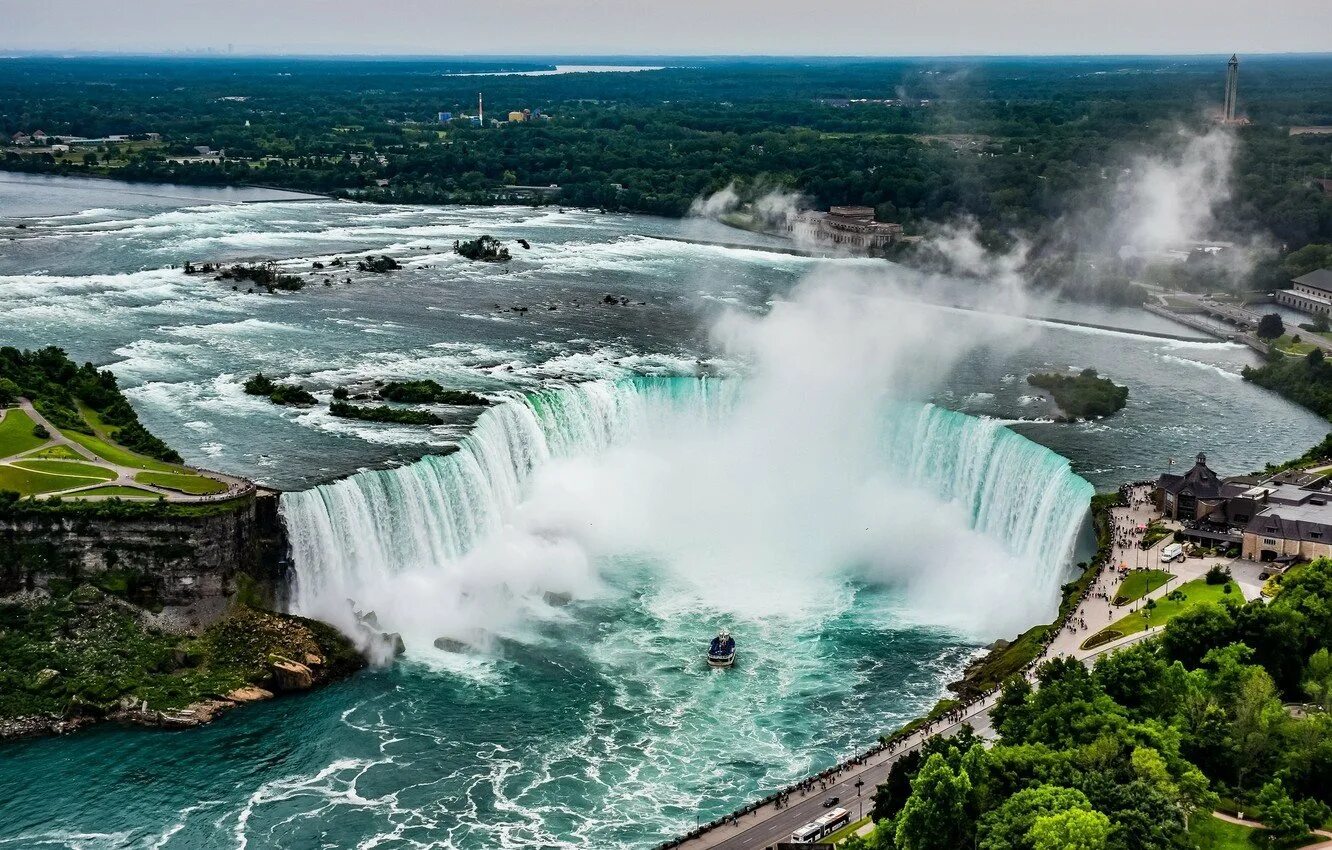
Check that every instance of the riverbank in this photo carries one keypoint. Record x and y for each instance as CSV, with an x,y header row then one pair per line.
x,y
86,657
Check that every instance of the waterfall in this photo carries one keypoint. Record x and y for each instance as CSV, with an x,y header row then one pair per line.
x,y
426,516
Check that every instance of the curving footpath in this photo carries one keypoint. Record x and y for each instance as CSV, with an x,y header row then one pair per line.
x,y
125,475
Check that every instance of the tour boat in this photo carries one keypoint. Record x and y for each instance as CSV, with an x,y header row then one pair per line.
x,y
722,651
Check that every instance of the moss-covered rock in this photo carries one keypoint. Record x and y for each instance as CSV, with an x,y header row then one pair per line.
x,y
87,657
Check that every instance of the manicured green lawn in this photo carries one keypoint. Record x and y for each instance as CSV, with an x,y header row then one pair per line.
x,y
1196,592
1287,344
104,445
1139,583
16,433
1213,834
118,454
195,485
57,451
67,467
122,492
29,483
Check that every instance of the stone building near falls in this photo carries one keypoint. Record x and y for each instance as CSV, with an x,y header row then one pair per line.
x,y
1282,517
851,226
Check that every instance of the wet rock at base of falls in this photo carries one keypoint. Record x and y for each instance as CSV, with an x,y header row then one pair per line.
x,y
556,600
290,675
449,644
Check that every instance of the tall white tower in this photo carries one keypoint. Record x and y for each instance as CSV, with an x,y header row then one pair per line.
x,y
480,111
1232,90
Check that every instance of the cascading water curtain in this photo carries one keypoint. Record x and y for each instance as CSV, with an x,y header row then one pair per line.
x,y
378,523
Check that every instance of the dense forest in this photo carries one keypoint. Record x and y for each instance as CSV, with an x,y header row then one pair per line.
x,y
1135,754
57,387
1031,150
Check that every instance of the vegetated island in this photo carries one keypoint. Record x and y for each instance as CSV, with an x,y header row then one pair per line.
x,y
286,394
71,658
429,392
1082,396
265,275
117,603
425,391
383,413
484,248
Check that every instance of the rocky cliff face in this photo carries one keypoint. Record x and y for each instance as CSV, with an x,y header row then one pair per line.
x,y
184,568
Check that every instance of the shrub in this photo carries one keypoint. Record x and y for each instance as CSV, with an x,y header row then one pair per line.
x,y
1217,575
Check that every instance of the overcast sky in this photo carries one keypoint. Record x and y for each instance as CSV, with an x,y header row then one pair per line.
x,y
809,27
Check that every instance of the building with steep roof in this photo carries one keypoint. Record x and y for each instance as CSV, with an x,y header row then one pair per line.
x,y
1309,293
1282,517
1191,496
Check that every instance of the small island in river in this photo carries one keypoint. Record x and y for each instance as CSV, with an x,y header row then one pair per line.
x,y
1085,395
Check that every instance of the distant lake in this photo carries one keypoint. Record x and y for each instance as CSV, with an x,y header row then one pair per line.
x,y
564,69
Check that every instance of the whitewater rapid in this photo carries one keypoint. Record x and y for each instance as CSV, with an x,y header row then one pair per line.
x,y
427,519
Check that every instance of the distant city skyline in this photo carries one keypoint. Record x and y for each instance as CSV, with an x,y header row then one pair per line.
x,y
679,28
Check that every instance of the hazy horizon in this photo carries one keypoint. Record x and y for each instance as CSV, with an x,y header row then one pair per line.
x,y
514,28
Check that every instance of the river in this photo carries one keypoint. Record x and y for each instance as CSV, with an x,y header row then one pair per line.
x,y
705,453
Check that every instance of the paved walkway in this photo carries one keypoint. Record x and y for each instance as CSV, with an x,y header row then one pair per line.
x,y
1253,824
124,475
1098,610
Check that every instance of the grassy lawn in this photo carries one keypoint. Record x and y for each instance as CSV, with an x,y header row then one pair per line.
x,y
16,433
195,485
122,492
1287,344
1139,583
57,451
104,445
1196,592
29,483
67,467
1212,834
117,454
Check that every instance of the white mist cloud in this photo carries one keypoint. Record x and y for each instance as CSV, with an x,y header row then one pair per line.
x,y
1171,199
765,512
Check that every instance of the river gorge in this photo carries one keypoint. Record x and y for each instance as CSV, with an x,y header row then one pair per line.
x,y
838,459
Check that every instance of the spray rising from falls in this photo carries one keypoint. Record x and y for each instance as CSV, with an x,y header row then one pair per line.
x,y
975,522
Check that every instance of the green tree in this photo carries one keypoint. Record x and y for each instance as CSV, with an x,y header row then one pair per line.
x,y
1257,719
1074,829
1282,817
1318,679
1270,326
1008,827
935,816
9,392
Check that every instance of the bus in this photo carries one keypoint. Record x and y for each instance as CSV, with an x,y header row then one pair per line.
x,y
822,827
